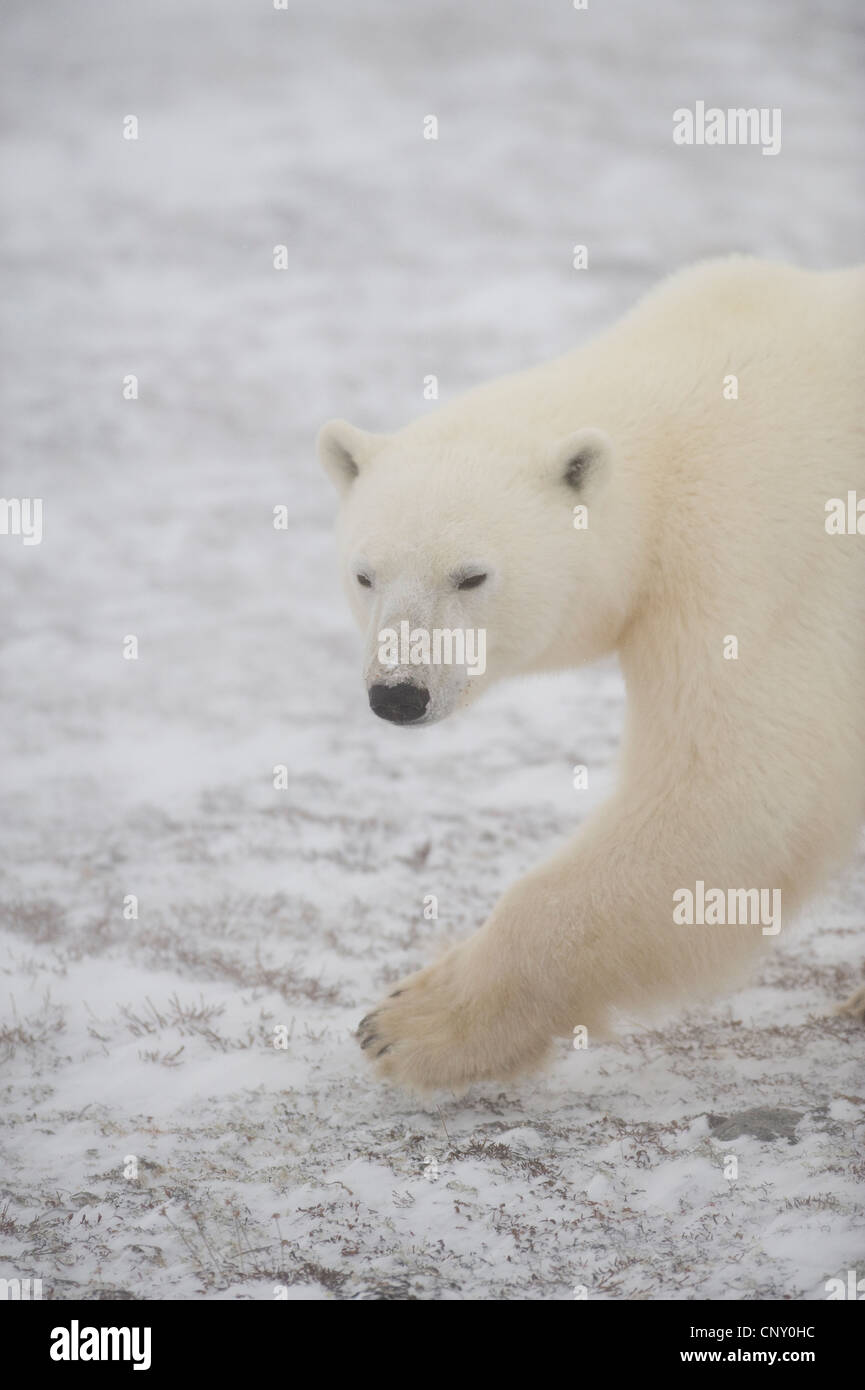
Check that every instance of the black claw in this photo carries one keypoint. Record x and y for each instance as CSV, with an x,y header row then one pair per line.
x,y
388,1047
364,1020
367,1042
393,994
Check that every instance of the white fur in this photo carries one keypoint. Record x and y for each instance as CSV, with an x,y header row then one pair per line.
x,y
706,519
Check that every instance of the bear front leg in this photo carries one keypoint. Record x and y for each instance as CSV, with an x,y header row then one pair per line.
x,y
587,937
489,1009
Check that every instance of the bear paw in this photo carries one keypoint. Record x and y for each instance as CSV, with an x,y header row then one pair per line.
x,y
449,1026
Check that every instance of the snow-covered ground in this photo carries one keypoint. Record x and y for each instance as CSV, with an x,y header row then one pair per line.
x,y
148,1045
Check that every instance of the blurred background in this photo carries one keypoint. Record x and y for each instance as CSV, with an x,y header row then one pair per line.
x,y
258,907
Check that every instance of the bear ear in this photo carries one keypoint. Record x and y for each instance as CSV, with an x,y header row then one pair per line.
x,y
343,450
578,456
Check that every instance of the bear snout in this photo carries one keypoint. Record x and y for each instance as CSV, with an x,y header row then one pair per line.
x,y
403,703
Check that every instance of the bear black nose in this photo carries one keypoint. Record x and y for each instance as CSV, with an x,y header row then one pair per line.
x,y
401,704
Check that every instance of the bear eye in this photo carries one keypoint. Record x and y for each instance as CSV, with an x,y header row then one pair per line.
x,y
365,580
472,582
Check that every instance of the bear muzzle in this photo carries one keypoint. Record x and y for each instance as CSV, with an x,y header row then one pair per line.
x,y
403,703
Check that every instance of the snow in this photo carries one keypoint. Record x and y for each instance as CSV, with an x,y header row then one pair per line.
x,y
261,1168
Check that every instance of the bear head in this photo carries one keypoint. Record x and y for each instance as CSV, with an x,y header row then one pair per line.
x,y
464,563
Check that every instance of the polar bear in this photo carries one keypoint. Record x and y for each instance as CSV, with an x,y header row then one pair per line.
x,y
662,493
